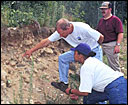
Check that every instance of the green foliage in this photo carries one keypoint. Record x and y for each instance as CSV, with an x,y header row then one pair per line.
x,y
54,13
61,11
125,29
11,17
78,15
18,13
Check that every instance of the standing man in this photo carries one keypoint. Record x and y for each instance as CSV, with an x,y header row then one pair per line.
x,y
112,29
74,33
98,81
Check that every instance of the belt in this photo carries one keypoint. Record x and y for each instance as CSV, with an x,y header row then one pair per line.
x,y
109,41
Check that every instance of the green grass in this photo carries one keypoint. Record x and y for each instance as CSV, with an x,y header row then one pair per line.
x,y
20,90
18,99
31,85
105,60
125,29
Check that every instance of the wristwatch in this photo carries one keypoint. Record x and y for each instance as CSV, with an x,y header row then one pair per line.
x,y
70,91
118,44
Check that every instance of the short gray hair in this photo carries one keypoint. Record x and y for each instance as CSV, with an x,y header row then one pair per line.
x,y
63,23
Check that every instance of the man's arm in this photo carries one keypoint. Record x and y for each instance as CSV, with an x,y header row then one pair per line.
x,y
119,40
101,39
43,43
76,92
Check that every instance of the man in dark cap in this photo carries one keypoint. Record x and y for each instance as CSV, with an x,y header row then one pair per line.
x,y
112,29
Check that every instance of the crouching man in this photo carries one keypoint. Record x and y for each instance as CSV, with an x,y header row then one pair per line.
x,y
98,82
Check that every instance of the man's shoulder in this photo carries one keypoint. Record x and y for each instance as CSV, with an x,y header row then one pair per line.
x,y
80,25
115,17
77,23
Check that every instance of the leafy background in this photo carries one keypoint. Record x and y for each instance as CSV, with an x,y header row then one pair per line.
x,y
17,13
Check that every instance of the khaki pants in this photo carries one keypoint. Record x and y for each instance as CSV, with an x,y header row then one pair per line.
x,y
113,59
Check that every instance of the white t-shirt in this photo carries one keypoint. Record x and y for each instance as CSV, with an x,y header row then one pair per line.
x,y
96,75
82,33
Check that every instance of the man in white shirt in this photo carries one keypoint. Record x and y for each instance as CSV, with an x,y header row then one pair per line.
x,y
74,33
98,81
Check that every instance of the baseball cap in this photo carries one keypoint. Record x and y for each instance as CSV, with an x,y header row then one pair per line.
x,y
82,48
105,5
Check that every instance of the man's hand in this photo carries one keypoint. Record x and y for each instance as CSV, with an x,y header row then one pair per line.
x,y
73,97
117,49
67,90
27,54
101,39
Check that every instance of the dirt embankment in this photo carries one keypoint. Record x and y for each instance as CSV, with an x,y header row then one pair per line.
x,y
23,82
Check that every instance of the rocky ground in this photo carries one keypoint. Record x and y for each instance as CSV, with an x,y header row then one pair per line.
x,y
25,82
29,80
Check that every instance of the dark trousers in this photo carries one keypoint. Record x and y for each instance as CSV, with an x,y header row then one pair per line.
x,y
115,93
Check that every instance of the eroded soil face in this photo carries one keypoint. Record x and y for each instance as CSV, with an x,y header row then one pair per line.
x,y
23,82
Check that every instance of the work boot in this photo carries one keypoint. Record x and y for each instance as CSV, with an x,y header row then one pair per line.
x,y
60,85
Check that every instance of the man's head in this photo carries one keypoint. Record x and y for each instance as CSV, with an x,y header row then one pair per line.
x,y
82,51
63,27
106,8
106,5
